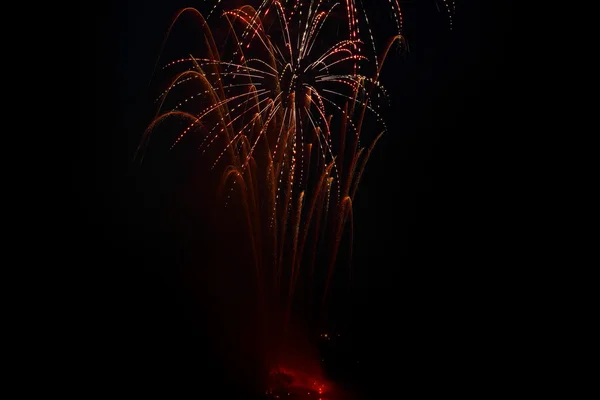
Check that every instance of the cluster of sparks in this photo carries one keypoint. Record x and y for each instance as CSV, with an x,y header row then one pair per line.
x,y
283,108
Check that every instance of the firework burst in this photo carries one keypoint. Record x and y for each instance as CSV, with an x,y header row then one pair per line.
x,y
279,104
286,110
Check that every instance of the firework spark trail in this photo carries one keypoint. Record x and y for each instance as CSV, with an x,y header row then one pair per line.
x,y
293,151
450,9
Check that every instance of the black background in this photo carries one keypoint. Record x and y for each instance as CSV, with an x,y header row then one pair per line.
x,y
420,312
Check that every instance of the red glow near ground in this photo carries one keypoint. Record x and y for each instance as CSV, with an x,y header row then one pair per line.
x,y
290,383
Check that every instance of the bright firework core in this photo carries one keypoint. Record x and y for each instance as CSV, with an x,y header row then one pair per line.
x,y
297,79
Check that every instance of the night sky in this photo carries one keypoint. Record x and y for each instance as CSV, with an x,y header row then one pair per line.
x,y
416,308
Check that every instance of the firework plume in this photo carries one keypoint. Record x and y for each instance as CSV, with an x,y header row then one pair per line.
x,y
280,105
